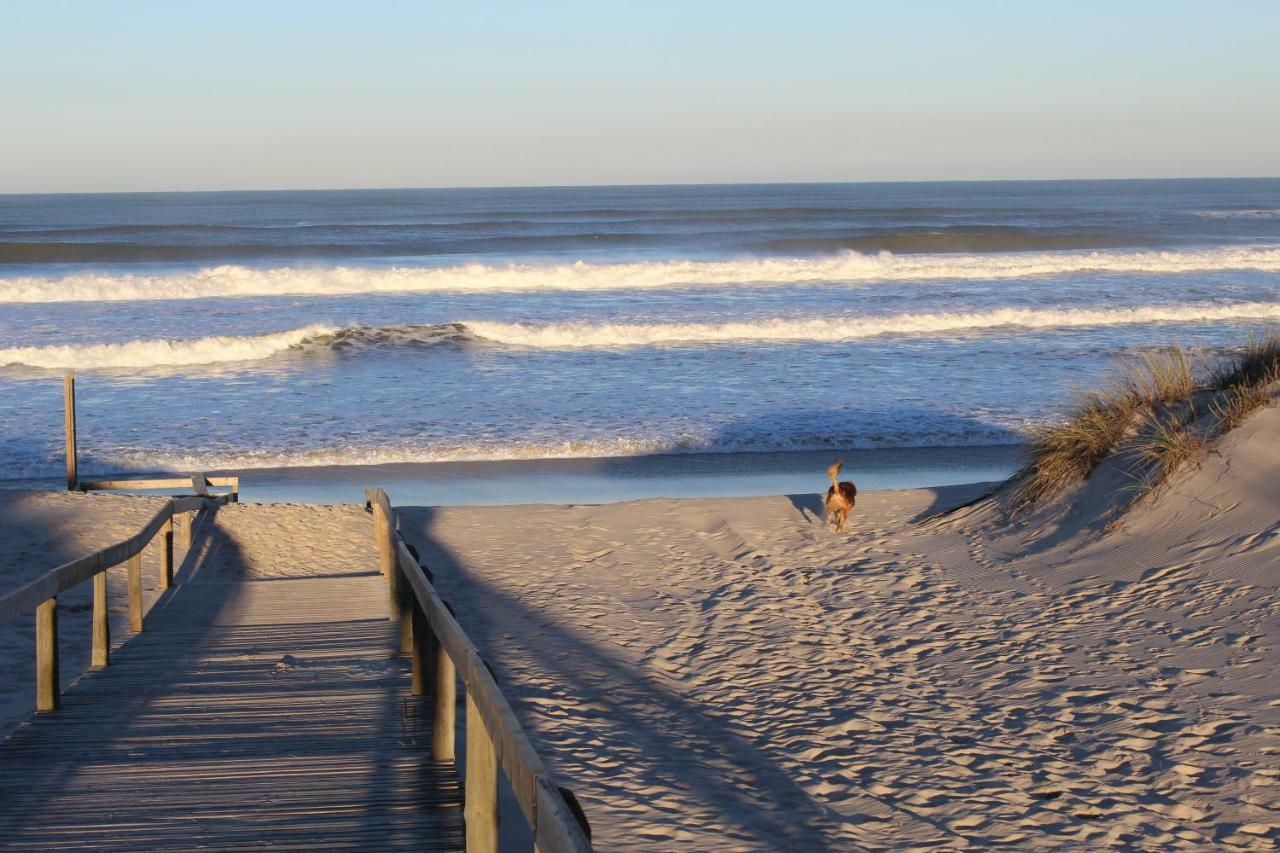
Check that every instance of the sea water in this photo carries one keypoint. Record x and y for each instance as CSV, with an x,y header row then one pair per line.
x,y
247,330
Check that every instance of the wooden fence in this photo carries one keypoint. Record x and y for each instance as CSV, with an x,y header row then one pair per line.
x,y
42,593
443,653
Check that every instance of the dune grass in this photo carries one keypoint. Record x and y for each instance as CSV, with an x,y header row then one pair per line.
x,y
1170,441
1151,400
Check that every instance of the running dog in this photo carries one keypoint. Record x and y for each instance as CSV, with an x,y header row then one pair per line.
x,y
840,497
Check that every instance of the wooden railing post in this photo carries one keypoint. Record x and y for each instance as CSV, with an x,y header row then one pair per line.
x,y
135,592
424,651
69,420
184,529
47,684
480,802
101,623
445,706
166,554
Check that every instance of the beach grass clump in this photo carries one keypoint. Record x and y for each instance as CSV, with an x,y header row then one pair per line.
x,y
1066,453
1256,366
1168,441
1166,376
1150,407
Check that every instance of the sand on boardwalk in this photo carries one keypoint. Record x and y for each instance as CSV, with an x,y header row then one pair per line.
x,y
730,674
40,530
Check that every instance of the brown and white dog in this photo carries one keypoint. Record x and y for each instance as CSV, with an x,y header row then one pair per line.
x,y
840,497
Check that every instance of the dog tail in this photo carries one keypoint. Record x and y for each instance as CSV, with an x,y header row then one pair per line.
x,y
834,471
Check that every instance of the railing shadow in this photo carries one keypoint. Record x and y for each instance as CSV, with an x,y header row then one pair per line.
x,y
774,806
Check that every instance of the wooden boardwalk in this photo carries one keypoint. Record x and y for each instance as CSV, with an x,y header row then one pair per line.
x,y
252,712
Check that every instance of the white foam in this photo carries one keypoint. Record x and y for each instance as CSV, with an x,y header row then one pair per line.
x,y
174,352
161,352
846,268
578,335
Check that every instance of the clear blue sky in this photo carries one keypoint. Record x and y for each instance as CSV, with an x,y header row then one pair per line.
x,y
222,95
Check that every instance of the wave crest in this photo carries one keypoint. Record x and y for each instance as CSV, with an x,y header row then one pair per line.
x,y
579,335
845,268
587,335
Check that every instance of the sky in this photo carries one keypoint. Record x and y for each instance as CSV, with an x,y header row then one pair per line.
x,y
141,96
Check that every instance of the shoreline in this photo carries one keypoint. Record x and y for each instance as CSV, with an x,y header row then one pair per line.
x,y
597,480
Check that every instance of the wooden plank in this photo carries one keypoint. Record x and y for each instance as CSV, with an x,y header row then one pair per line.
x,y
481,801
101,655
47,684
224,727
140,484
69,422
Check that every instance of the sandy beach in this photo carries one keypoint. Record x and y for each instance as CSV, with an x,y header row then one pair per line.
x,y
731,674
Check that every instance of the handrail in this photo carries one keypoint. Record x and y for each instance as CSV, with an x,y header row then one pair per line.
x,y
198,483
495,738
42,592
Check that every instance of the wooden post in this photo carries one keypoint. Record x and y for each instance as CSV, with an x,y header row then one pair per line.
x,y
408,606
69,420
424,652
135,592
395,581
166,554
381,534
101,623
480,802
445,705
184,529
47,684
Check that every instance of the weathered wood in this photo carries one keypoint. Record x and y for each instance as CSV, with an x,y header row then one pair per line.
x,y
69,419
101,623
166,554
520,762
194,738
425,649
512,751
149,483
47,684
141,484
184,530
135,593
480,803
444,704
557,829
403,598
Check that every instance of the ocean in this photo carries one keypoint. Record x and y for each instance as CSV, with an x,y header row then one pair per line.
x,y
247,330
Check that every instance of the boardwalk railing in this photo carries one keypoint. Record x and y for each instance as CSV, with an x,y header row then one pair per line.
x,y
42,593
198,483
442,653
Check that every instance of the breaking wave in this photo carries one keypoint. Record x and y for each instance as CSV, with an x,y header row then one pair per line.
x,y
602,335
844,268
177,352
222,349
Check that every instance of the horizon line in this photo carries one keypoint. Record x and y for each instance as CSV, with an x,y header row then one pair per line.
x,y
553,186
